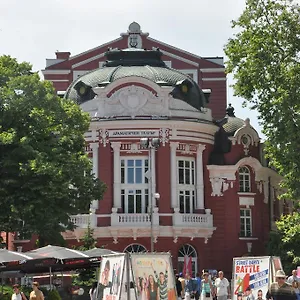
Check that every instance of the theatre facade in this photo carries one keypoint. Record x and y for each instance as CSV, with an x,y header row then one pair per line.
x,y
179,166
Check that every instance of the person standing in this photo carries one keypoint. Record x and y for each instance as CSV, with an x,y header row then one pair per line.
x,y
178,285
36,294
222,286
207,292
189,287
198,285
295,282
280,290
17,295
93,291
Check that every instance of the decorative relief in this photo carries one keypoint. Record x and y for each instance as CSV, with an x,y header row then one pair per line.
x,y
103,137
88,148
131,148
164,135
220,185
187,148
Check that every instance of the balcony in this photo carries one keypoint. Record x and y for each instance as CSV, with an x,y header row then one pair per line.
x,y
84,220
192,220
134,220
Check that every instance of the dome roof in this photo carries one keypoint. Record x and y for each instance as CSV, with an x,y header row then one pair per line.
x,y
140,63
231,123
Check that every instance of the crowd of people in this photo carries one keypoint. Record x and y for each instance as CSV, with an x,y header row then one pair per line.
x,y
205,287
36,293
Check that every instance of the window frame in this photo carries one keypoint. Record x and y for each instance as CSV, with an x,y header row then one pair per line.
x,y
245,217
244,180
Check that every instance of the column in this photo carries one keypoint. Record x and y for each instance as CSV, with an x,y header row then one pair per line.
x,y
116,146
153,176
199,177
174,198
95,153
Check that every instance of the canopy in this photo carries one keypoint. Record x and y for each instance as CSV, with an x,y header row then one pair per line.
x,y
7,256
98,252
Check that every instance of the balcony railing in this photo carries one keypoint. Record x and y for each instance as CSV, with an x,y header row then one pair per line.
x,y
192,220
133,220
82,221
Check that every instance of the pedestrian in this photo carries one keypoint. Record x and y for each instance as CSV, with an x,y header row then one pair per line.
x,y
93,291
294,280
178,285
207,292
198,284
222,286
36,294
17,295
280,290
190,287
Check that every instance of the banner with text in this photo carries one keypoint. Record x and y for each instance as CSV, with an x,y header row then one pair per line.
x,y
153,275
111,277
253,273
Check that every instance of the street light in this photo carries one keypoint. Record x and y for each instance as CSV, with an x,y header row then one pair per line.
x,y
151,145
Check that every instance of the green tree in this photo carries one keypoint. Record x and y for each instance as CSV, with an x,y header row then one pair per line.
x,y
86,277
45,175
264,58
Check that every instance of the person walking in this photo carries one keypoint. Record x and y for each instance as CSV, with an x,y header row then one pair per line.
x,y
280,290
207,292
17,295
294,281
222,286
36,294
189,287
198,284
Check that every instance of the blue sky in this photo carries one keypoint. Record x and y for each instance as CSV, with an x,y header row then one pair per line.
x,y
34,30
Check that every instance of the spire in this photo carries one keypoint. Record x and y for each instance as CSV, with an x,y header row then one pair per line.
x,y
230,111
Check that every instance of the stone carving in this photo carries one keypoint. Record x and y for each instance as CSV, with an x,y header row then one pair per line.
x,y
103,136
134,148
217,184
164,135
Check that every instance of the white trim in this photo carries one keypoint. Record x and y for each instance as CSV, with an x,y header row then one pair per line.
x,y
96,48
56,72
190,62
213,70
83,62
191,71
175,48
58,80
168,63
215,79
248,238
78,73
246,218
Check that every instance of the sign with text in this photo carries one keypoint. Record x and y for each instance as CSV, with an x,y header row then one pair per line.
x,y
133,133
253,273
153,275
110,277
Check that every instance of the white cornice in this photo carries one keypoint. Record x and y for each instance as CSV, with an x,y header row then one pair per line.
x,y
88,60
213,70
96,48
215,79
56,72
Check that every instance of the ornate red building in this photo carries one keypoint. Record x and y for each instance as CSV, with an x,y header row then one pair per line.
x,y
211,193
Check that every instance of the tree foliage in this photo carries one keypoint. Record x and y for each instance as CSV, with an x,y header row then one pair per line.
x,y
45,175
264,57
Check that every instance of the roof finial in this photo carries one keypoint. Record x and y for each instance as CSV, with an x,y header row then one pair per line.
x,y
230,111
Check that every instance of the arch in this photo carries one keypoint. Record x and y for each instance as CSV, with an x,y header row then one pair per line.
x,y
189,251
135,248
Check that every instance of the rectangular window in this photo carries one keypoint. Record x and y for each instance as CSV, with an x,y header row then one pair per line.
x,y
134,185
186,201
186,185
245,222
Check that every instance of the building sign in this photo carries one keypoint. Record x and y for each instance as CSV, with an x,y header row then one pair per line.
x,y
133,133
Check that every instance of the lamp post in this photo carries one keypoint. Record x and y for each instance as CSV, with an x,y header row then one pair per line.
x,y
151,145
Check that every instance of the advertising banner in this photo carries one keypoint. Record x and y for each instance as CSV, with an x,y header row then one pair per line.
x,y
251,275
111,277
153,276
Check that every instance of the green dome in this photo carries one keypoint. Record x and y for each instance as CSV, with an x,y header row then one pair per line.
x,y
140,63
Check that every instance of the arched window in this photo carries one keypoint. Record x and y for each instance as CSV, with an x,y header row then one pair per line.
x,y
135,248
244,179
187,251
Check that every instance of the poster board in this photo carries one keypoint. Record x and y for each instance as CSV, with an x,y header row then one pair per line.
x,y
153,276
110,281
253,272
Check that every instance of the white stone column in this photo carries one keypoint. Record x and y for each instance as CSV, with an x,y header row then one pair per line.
x,y
174,171
199,177
116,146
153,176
95,152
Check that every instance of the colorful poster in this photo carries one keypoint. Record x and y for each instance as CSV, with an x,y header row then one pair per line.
x,y
251,276
111,277
154,277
